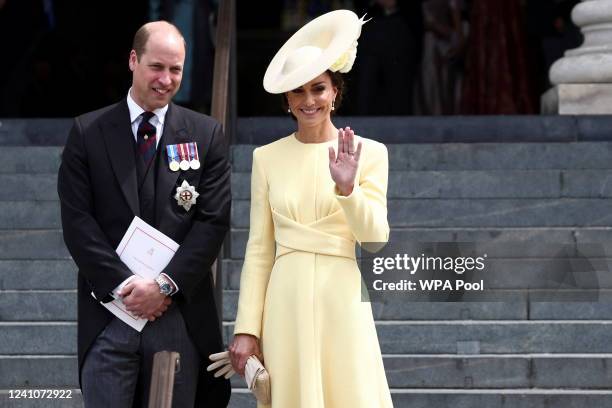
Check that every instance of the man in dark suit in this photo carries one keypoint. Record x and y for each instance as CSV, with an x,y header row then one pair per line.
x,y
115,167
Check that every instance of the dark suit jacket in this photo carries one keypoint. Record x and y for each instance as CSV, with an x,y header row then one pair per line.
x,y
97,186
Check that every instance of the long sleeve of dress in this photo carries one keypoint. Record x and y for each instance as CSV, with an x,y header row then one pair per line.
x,y
259,256
366,207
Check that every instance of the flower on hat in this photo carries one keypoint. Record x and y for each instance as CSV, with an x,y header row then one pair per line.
x,y
346,60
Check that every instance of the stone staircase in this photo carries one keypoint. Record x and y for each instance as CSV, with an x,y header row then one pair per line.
x,y
37,276
470,181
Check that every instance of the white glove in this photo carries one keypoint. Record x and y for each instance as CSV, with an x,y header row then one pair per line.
x,y
221,361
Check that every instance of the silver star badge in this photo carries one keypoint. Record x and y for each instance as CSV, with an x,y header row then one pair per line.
x,y
186,195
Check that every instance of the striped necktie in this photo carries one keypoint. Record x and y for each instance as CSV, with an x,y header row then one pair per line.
x,y
146,139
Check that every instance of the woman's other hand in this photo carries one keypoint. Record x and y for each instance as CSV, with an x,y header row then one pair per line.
x,y
243,346
343,166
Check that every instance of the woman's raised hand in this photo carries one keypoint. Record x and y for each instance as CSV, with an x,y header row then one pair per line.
x,y
243,346
343,166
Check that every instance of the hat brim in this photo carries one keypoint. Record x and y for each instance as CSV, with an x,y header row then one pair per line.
x,y
332,32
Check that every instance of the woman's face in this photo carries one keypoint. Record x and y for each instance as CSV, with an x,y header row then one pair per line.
x,y
311,103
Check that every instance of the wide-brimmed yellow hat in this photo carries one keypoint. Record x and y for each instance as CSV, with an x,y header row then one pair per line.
x,y
327,42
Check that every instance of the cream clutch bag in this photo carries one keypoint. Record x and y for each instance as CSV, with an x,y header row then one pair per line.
x,y
258,380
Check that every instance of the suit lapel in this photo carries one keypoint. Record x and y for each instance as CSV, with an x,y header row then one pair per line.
x,y
174,132
120,147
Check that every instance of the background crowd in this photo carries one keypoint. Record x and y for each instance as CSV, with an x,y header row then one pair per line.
x,y
416,57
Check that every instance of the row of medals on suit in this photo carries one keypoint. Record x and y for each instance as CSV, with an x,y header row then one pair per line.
x,y
183,156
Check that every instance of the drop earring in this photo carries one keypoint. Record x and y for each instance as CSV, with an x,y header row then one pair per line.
x,y
333,107
288,110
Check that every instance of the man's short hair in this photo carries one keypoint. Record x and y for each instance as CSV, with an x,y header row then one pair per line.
x,y
142,37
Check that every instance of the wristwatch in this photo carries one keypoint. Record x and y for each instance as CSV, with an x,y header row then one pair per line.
x,y
165,287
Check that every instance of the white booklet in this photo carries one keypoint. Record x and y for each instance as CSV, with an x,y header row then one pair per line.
x,y
146,251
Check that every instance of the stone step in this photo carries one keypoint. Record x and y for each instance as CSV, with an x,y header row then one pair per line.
x,y
594,156
231,272
395,308
35,305
422,129
444,213
502,156
547,371
34,132
17,338
464,184
402,184
61,305
37,275
490,371
19,215
392,129
417,398
23,187
30,160
48,244
61,274
489,337
481,213
478,156
520,274
564,212
471,184
396,337
403,371
32,245
531,242
499,398
495,338
37,371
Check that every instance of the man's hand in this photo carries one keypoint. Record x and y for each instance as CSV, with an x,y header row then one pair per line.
x,y
142,298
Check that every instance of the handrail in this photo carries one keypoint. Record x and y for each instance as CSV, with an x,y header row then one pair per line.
x,y
223,106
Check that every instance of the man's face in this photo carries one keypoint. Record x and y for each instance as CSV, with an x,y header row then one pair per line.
x,y
157,76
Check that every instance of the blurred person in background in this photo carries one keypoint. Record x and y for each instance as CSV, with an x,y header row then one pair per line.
x,y
444,44
389,54
498,78
550,32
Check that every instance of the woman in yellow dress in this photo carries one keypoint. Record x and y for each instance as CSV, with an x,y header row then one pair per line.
x,y
314,194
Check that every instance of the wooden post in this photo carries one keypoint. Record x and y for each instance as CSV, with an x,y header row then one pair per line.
x,y
224,109
165,365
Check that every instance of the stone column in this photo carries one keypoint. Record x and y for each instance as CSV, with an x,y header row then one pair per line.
x,y
583,77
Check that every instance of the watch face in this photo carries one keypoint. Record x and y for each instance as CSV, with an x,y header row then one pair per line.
x,y
165,288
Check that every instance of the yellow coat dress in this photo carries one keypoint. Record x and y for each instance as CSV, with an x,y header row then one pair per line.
x,y
300,288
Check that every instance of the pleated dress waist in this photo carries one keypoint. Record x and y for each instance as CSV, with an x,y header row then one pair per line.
x,y
326,236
